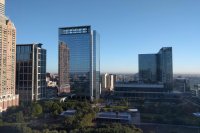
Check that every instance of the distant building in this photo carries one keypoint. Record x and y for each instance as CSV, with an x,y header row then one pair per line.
x,y
48,77
193,81
31,72
157,67
181,85
84,62
196,90
125,78
8,97
63,68
51,84
50,80
108,82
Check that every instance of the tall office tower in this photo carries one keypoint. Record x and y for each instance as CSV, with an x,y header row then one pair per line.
x,y
148,68
108,82
7,61
83,44
165,66
31,72
63,70
157,67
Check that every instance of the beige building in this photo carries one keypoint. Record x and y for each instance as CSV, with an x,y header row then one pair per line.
x,y
63,68
8,97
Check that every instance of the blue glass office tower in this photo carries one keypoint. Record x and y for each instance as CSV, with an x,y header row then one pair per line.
x,y
165,67
84,62
157,67
148,68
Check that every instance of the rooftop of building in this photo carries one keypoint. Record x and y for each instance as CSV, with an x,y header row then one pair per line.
x,y
76,27
39,44
68,112
28,44
114,115
75,30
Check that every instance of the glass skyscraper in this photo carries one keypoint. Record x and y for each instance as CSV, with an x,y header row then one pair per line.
x,y
148,67
165,67
84,61
157,67
31,72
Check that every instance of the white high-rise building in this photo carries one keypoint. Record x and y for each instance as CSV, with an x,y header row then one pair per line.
x,y
108,82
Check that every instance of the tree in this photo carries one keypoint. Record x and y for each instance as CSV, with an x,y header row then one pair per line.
x,y
48,106
19,117
36,109
63,131
86,120
69,121
56,109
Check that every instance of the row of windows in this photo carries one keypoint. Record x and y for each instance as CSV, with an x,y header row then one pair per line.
x,y
29,83
24,70
24,84
24,49
24,56
25,77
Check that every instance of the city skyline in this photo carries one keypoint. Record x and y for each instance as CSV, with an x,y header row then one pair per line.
x,y
136,27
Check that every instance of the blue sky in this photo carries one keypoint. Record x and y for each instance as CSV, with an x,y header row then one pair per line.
x,y
127,28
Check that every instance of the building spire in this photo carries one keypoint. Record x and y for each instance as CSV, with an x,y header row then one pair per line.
x,y
2,7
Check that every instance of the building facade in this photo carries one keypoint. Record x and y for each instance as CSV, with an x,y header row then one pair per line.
x,y
8,97
157,68
148,67
31,72
84,64
63,71
140,91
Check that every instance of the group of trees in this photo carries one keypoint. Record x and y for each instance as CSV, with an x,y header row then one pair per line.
x,y
25,129
44,117
178,114
110,128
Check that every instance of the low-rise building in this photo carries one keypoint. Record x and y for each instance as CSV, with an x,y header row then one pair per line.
x,y
138,91
116,117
